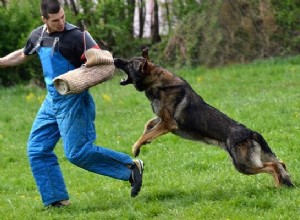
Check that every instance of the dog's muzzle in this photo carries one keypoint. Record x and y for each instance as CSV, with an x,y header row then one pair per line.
x,y
121,64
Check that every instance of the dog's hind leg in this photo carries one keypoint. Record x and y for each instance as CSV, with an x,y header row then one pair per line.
x,y
273,168
267,156
279,173
249,157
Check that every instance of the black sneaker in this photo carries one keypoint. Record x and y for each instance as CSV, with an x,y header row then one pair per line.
x,y
136,178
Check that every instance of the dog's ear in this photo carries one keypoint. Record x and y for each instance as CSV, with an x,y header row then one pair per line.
x,y
143,66
145,53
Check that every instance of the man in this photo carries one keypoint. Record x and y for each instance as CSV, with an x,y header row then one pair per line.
x,y
60,47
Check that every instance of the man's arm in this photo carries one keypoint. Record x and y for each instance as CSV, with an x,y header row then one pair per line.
x,y
13,59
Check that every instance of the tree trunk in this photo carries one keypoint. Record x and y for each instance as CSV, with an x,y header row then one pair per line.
x,y
167,7
66,4
131,8
75,10
4,3
141,18
155,25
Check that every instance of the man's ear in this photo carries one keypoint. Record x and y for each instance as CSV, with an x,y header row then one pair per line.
x,y
44,19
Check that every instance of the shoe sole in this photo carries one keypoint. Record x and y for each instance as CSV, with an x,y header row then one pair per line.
x,y
140,165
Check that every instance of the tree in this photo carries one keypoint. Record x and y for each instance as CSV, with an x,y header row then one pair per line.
x,y
199,32
155,24
3,3
18,21
232,31
141,7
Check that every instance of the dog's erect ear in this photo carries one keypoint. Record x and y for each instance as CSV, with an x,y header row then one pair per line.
x,y
145,53
143,66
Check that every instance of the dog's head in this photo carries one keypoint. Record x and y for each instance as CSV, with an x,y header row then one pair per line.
x,y
136,70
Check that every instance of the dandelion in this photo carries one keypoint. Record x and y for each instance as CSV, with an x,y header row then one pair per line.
x,y
292,69
41,98
106,97
30,97
199,79
118,139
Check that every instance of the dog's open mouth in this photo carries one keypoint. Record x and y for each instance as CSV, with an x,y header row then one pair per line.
x,y
126,81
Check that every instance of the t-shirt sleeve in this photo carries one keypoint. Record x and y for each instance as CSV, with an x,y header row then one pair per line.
x,y
88,43
29,45
88,40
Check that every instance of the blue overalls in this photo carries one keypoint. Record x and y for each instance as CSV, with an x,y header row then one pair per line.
x,y
72,118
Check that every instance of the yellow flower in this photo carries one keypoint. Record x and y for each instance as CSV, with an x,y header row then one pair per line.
x,y
106,97
292,69
41,98
199,79
30,97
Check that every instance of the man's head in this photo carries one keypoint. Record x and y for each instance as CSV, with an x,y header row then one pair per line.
x,y
53,15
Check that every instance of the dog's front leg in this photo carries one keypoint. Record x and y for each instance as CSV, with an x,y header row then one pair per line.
x,y
153,129
151,124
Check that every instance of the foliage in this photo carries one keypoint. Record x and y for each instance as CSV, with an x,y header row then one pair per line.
x,y
223,32
206,32
181,8
17,28
112,29
183,179
287,16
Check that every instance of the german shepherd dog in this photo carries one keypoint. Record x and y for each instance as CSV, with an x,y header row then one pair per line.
x,y
183,112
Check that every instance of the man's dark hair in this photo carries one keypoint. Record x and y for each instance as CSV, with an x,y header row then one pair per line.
x,y
49,7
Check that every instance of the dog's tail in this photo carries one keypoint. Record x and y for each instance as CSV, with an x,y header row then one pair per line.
x,y
269,156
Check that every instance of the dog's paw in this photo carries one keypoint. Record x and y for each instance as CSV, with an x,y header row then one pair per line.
x,y
135,151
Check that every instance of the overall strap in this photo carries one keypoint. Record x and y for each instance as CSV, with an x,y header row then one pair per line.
x,y
39,41
84,41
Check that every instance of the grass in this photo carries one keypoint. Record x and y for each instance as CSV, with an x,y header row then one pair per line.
x,y
183,179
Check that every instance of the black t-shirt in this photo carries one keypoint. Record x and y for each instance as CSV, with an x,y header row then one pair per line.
x,y
70,42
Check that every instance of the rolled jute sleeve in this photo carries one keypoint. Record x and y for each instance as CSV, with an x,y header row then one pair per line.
x,y
98,68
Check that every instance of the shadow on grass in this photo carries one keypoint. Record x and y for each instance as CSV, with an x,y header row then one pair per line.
x,y
222,194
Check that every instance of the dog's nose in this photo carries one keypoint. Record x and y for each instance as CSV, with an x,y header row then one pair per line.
x,y
119,63
116,60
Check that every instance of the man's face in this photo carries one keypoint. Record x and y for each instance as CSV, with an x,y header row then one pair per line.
x,y
55,22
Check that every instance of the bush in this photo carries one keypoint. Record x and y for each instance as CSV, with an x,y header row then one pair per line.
x,y
224,32
17,25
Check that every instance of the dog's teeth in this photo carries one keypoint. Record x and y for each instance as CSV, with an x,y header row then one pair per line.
x,y
123,81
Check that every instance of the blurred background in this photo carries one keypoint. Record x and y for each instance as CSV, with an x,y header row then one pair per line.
x,y
179,33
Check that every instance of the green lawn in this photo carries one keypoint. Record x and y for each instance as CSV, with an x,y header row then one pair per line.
x,y
183,179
